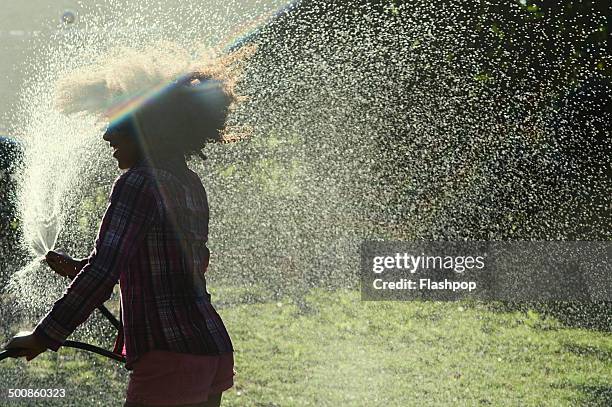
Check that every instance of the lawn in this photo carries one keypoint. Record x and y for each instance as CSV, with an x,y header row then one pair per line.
x,y
332,349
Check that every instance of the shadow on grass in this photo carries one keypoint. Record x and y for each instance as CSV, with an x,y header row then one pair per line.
x,y
603,355
595,396
595,315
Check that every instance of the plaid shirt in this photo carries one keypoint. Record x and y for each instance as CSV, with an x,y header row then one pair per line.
x,y
152,240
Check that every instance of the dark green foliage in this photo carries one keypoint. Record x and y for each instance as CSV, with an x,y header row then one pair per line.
x,y
532,43
10,160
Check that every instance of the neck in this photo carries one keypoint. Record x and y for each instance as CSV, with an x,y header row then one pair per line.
x,y
175,162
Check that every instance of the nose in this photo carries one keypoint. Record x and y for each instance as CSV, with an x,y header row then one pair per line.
x,y
112,137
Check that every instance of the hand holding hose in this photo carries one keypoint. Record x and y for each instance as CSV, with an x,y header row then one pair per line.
x,y
63,264
66,266
25,344
29,345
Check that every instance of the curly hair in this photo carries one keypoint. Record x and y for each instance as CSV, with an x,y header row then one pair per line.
x,y
186,116
177,106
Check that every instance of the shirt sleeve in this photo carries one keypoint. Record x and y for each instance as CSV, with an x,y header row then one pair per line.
x,y
131,210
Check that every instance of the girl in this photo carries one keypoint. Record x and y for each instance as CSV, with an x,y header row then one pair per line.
x,y
152,240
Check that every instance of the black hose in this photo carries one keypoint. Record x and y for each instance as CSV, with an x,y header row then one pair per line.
x,y
94,349
109,315
8,353
11,353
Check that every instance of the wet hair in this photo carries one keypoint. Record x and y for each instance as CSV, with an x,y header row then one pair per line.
x,y
191,109
182,119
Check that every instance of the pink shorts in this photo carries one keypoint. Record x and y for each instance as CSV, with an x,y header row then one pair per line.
x,y
169,378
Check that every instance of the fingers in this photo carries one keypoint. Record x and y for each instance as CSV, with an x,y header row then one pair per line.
x,y
17,346
18,353
54,257
51,253
15,343
57,255
58,263
57,267
32,355
60,259
23,346
29,354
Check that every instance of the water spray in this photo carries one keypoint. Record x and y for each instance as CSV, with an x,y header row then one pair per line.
x,y
45,238
9,353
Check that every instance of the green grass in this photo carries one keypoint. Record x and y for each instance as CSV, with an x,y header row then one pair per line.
x,y
335,350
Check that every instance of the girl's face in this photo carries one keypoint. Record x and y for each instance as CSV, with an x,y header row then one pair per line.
x,y
126,150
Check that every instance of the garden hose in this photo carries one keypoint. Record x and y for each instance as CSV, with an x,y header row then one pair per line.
x,y
11,353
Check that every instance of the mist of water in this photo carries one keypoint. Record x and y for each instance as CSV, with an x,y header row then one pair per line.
x,y
363,127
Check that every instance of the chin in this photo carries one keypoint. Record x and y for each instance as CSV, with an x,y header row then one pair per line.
x,y
121,165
